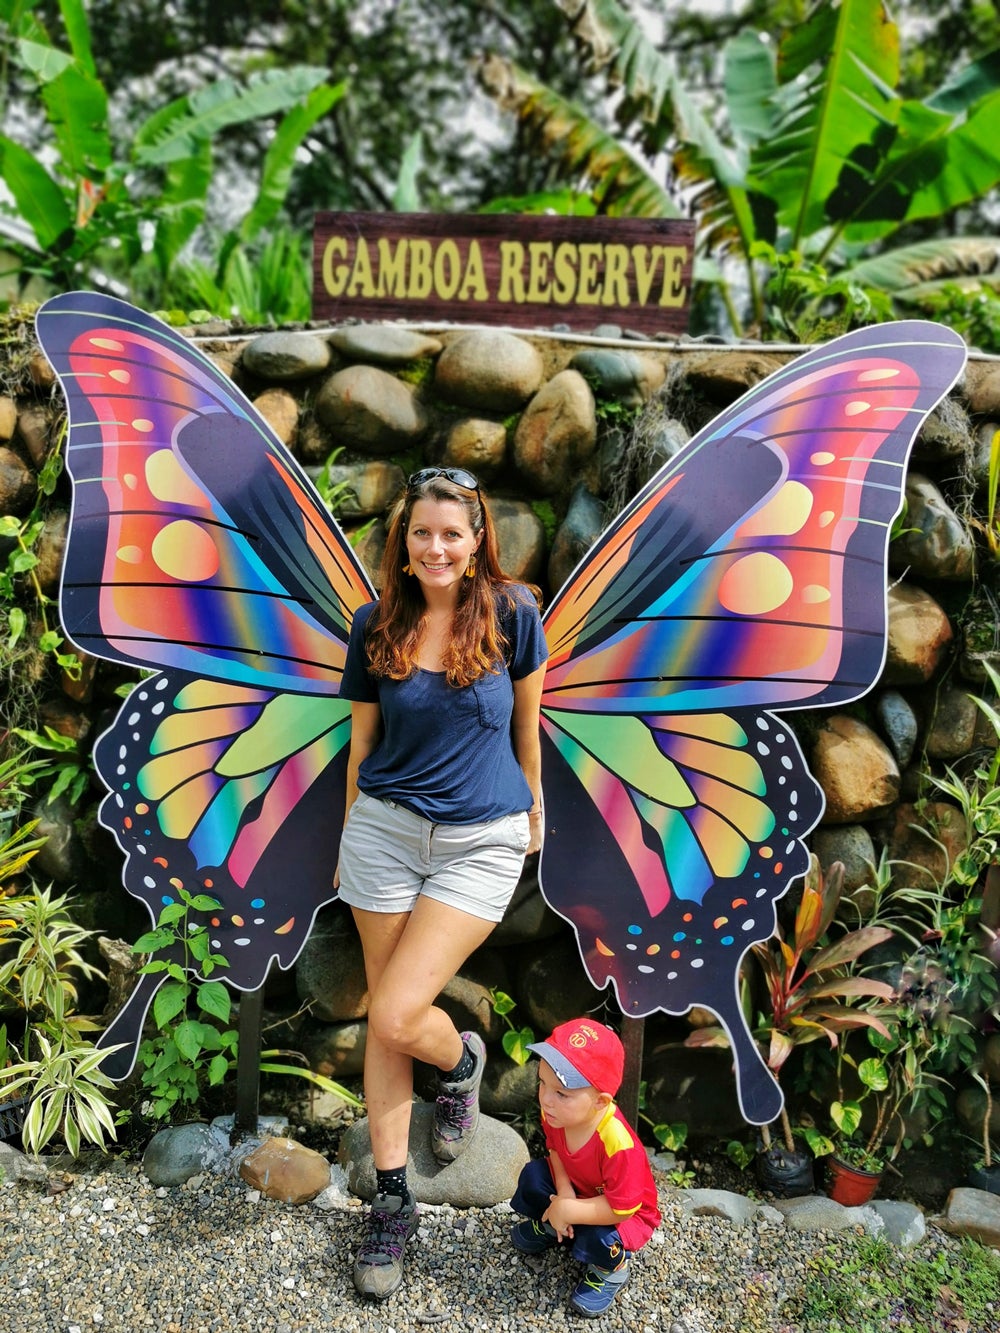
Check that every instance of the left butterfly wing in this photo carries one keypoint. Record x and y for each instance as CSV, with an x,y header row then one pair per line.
x,y
749,573
197,545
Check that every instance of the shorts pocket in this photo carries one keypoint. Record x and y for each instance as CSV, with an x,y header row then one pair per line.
x,y
520,831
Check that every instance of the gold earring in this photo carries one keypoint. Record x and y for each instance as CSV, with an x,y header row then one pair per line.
x,y
470,569
407,569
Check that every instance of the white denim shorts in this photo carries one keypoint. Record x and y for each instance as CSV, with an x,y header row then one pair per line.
x,y
389,857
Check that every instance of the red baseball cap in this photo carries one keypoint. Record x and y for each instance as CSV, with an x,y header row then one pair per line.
x,y
584,1053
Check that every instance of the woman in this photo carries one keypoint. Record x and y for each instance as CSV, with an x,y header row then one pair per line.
x,y
445,675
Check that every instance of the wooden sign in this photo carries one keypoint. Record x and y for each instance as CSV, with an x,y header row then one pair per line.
x,y
526,271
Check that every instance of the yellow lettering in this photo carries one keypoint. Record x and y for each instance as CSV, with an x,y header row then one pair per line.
x,y
447,270
392,268
511,272
615,276
474,278
539,278
335,277
362,283
588,292
565,273
645,272
421,273
673,291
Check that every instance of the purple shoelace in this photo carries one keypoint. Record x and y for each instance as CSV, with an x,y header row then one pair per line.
x,y
387,1236
454,1109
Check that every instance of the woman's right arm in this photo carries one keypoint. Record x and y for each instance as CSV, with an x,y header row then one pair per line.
x,y
366,727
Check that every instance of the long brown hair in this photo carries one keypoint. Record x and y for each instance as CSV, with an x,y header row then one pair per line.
x,y
477,641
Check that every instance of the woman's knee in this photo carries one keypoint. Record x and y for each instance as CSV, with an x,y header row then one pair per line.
x,y
396,1026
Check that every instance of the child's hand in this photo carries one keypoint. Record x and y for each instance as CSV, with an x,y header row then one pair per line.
x,y
556,1217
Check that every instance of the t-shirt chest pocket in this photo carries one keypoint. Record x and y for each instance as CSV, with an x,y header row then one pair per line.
x,y
494,698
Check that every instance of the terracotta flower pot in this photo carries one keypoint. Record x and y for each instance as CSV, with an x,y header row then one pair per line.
x,y
850,1185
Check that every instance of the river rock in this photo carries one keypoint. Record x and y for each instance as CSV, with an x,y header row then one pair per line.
x,y
178,1152
50,550
363,489
17,484
899,722
330,970
371,410
952,732
477,444
852,845
578,531
8,418
975,1213
919,636
286,356
489,369
34,430
287,1171
483,1176
935,542
521,538
384,344
556,433
925,841
855,769
982,388
280,410
627,377
336,1050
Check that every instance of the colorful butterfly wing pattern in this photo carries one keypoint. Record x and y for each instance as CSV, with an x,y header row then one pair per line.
x,y
199,549
748,575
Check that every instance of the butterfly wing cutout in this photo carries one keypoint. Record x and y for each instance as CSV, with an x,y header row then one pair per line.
x,y
748,575
198,548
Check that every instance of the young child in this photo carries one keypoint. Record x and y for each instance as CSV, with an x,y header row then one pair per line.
x,y
595,1189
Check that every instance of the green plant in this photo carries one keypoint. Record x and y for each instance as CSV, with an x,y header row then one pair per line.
x,y
94,204
193,1049
66,770
52,1060
813,151
740,1154
810,992
189,1051
515,1040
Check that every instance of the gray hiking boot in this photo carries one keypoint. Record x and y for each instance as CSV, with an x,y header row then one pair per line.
x,y
378,1266
456,1111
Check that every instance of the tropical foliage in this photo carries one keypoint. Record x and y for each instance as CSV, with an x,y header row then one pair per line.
x,y
819,154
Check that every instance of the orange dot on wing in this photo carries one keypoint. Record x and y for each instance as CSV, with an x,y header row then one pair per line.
x,y
129,555
856,408
185,551
813,594
107,344
785,513
283,930
120,376
755,584
822,458
143,425
603,948
880,373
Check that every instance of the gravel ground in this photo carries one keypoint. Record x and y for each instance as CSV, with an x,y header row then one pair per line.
x,y
111,1252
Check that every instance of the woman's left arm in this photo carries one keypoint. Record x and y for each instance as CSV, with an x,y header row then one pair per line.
x,y
527,748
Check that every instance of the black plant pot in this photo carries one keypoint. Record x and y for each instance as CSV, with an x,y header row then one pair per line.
x,y
985,1178
12,1116
785,1174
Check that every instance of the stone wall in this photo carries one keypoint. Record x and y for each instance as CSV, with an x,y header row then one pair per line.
x,y
562,431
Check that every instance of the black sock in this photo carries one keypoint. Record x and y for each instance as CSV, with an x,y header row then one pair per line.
x,y
465,1068
392,1182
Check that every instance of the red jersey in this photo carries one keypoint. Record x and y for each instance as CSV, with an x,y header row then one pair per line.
x,y
614,1163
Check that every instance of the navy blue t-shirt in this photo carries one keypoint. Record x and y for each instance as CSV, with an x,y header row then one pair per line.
x,y
445,751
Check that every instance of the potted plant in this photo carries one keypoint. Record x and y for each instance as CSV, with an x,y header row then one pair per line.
x,y
811,997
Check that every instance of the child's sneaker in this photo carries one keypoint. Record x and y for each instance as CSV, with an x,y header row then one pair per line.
x,y
456,1111
533,1237
378,1266
596,1290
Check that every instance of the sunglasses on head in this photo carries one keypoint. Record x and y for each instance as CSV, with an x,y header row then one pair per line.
x,y
456,474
